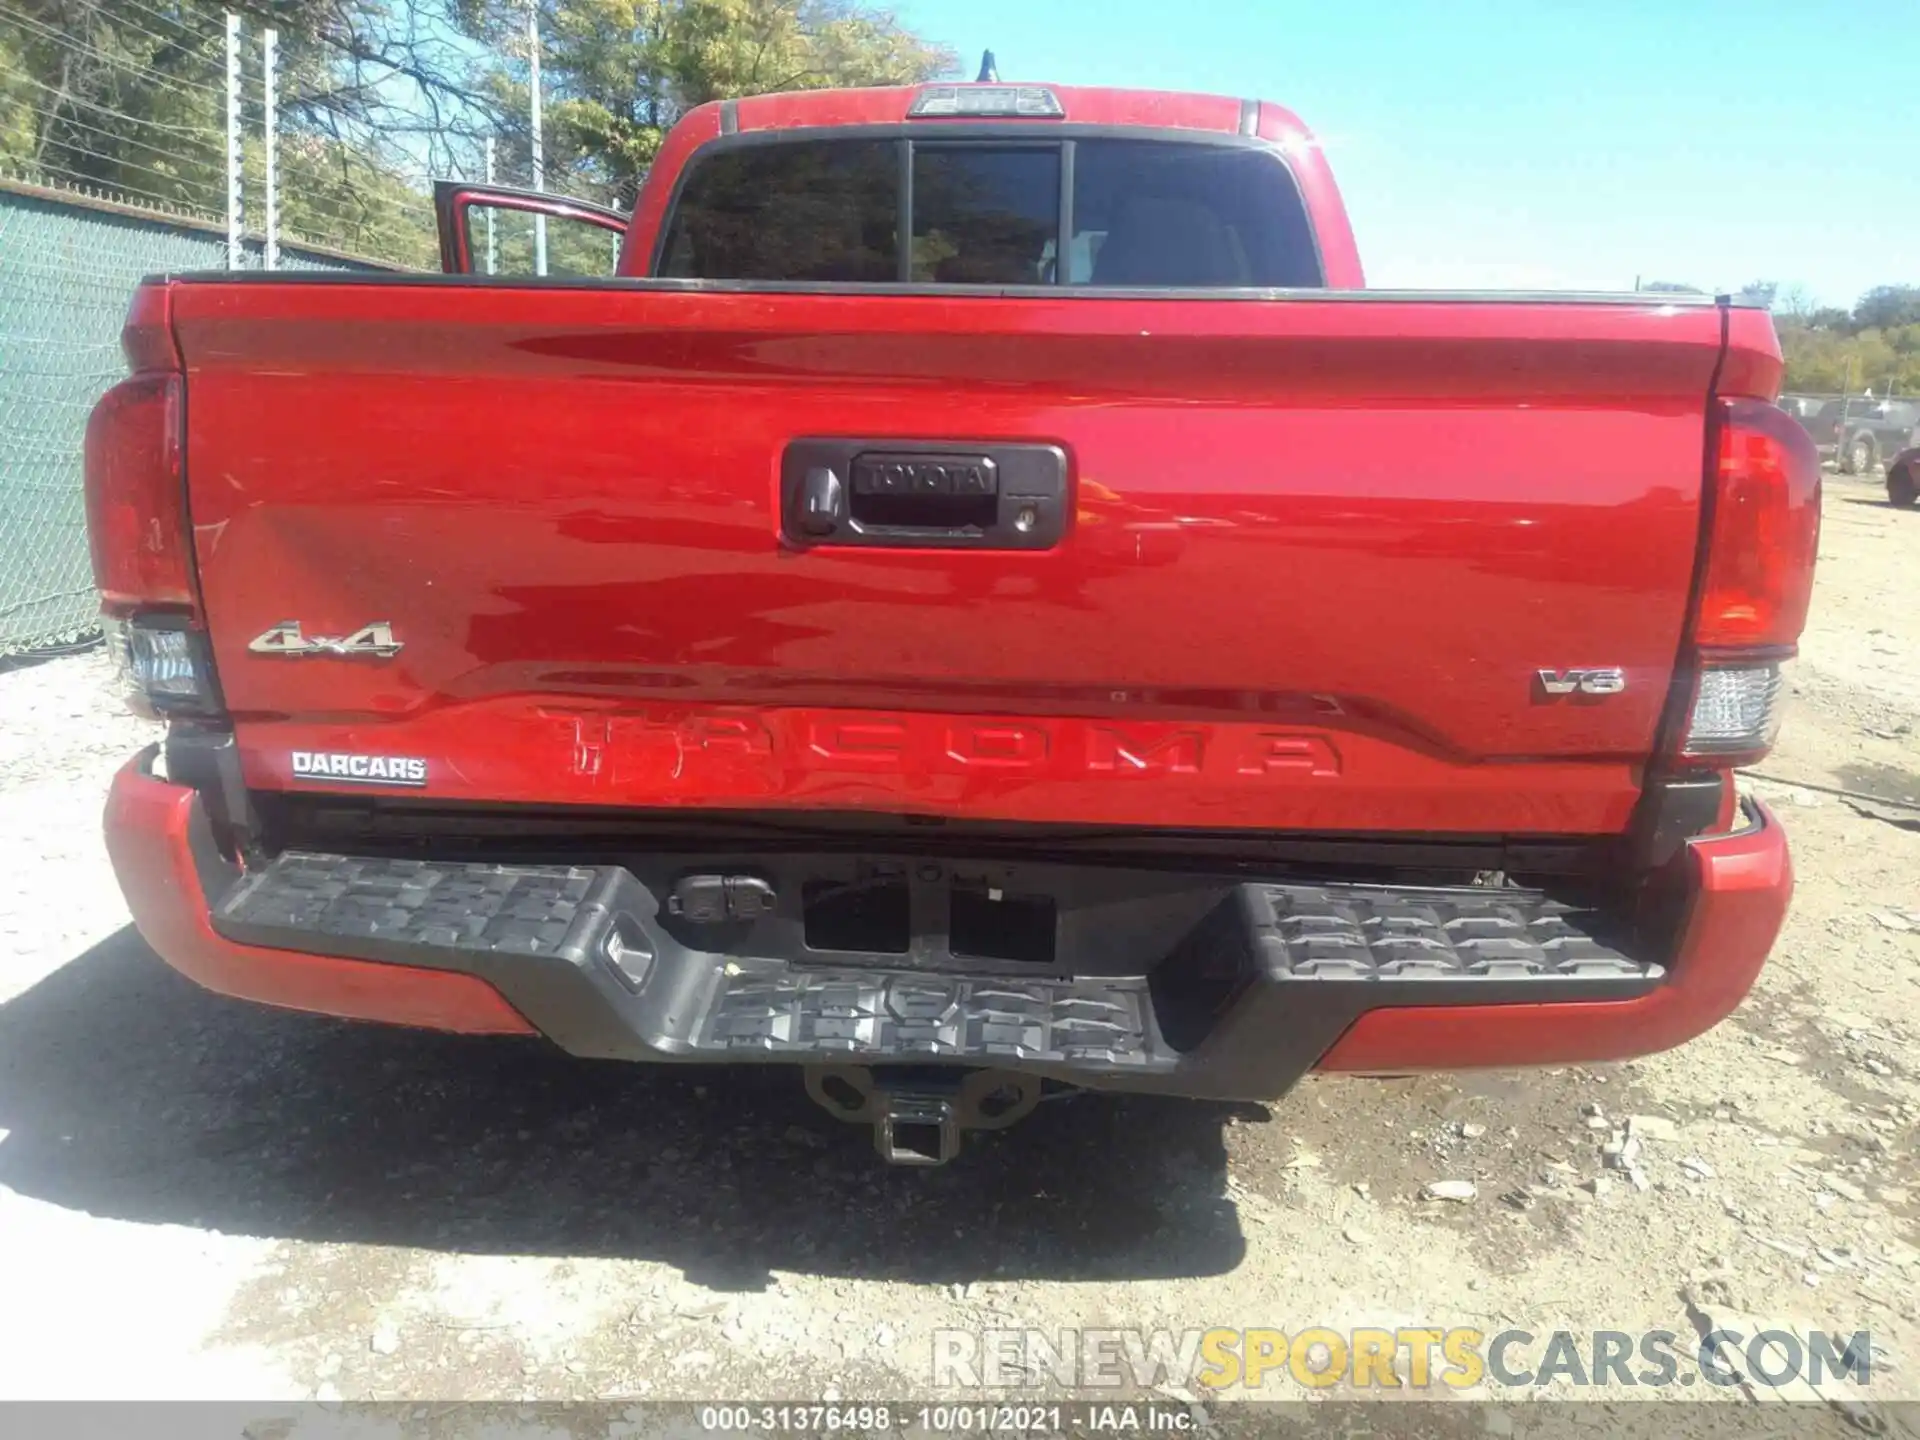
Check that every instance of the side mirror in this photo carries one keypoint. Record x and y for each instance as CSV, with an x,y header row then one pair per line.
x,y
499,230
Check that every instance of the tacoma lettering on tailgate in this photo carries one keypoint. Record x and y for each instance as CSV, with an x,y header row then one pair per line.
x,y
859,743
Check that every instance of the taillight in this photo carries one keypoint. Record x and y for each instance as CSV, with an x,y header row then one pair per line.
x,y
136,501
1766,530
1756,580
137,525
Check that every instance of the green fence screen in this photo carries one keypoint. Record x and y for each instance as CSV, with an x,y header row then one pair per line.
x,y
67,269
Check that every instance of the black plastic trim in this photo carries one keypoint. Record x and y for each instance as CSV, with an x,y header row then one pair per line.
x,y
401,824
1032,486
1674,809
207,758
212,865
902,224
1063,240
1266,978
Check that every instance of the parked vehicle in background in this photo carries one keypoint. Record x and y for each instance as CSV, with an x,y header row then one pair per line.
x,y
1903,477
984,597
1857,433
1802,407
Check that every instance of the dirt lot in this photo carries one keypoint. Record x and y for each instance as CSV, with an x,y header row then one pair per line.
x,y
203,1199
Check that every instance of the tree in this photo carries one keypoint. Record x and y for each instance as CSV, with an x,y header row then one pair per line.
x,y
618,73
102,95
1831,361
1886,306
1758,292
377,94
95,101
1792,303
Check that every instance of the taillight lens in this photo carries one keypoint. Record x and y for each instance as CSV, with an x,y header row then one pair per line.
x,y
1736,711
136,505
1757,580
163,666
1766,531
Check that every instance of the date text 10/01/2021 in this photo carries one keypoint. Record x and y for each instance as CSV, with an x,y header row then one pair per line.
x,y
1162,1418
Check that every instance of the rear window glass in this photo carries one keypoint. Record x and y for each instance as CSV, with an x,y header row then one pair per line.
x,y
1144,214
1152,213
812,211
984,215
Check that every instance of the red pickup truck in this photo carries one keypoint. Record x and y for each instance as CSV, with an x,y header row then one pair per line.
x,y
982,599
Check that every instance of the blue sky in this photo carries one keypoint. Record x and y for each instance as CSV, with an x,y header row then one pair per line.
x,y
1544,144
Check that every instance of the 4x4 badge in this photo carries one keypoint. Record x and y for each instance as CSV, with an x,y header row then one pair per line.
x,y
369,642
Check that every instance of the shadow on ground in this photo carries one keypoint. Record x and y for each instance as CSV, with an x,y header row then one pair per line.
x,y
1893,783
1876,504
131,1093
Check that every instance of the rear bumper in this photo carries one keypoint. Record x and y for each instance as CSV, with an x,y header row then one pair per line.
x,y
1291,978
163,853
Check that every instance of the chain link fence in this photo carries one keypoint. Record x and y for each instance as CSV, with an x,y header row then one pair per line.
x,y
68,265
131,132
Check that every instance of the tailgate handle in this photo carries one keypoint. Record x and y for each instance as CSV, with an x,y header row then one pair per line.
x,y
823,503
915,494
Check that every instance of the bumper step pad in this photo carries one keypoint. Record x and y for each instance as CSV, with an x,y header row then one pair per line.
x,y
552,911
855,1012
587,956
1364,932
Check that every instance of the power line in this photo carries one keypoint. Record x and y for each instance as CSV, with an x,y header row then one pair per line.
x,y
345,205
52,118
95,105
409,204
165,19
185,37
298,209
73,41
363,181
123,61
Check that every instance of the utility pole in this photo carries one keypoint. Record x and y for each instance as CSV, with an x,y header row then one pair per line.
x,y
492,251
236,254
1846,403
539,155
269,43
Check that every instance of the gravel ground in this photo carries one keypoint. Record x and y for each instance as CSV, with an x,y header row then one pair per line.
x,y
200,1198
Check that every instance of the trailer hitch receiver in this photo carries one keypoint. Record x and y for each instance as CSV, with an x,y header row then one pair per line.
x,y
919,1114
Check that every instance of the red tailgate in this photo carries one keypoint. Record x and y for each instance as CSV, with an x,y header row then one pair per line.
x,y
1316,550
